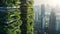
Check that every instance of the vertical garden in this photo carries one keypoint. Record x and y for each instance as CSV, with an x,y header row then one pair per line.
x,y
16,17
10,17
27,16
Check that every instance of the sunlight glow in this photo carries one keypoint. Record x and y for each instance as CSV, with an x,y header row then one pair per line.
x,y
50,2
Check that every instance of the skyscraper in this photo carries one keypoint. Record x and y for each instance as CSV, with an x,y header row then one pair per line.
x,y
27,18
42,15
16,17
52,22
10,17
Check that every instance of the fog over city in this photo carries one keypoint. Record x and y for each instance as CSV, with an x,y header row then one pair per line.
x,y
49,6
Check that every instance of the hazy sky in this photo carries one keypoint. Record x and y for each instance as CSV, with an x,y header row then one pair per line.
x,y
50,2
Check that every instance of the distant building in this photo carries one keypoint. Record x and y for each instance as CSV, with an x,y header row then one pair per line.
x,y
58,25
42,16
52,23
37,20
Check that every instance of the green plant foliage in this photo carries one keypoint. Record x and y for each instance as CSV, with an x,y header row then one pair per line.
x,y
10,18
27,15
15,20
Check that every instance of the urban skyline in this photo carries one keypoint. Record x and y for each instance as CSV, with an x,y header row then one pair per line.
x,y
47,11
29,17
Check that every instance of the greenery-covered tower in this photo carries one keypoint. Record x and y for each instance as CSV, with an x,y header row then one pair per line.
x,y
10,17
27,16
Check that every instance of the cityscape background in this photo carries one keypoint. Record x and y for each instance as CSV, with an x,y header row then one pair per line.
x,y
47,16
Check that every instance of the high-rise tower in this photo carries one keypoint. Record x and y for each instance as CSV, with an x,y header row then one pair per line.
x,y
52,22
10,17
42,15
16,17
27,16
